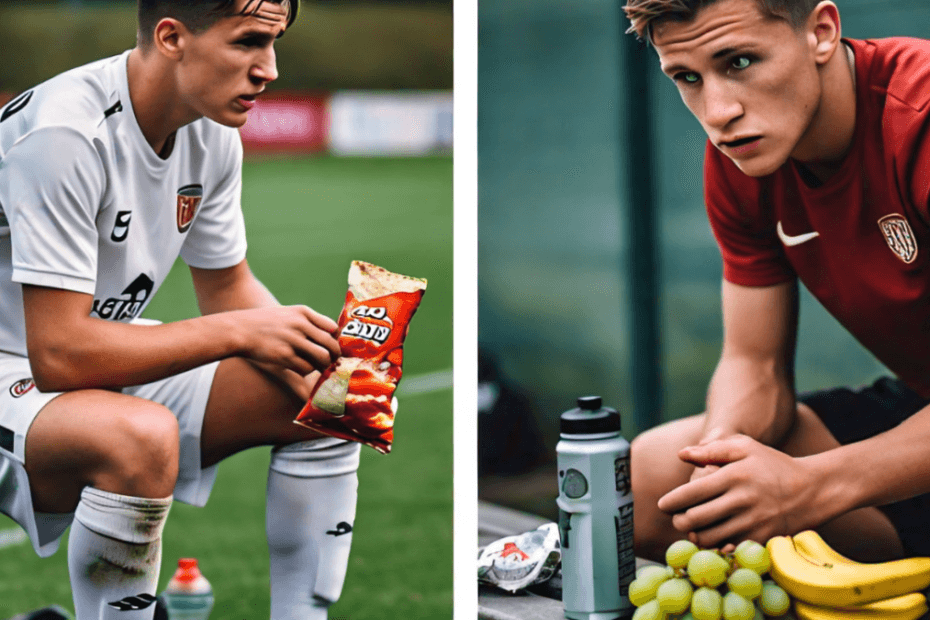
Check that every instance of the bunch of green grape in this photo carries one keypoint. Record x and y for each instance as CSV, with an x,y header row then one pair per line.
x,y
702,584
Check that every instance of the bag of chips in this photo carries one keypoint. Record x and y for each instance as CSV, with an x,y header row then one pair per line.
x,y
517,562
352,399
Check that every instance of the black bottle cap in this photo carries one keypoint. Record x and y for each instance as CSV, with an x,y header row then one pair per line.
x,y
590,418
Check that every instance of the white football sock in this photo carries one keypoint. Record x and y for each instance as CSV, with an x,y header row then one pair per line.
x,y
312,491
114,555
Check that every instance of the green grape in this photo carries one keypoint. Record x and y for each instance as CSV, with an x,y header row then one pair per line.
x,y
754,557
652,571
736,607
639,592
679,552
706,568
706,604
674,596
643,588
745,582
649,611
774,600
757,614
744,544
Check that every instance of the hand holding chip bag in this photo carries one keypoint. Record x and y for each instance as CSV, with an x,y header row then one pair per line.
x,y
352,399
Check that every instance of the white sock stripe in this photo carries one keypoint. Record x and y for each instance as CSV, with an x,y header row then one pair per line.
x,y
106,499
308,459
121,517
323,443
426,383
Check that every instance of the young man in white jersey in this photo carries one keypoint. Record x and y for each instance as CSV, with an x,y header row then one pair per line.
x,y
815,171
107,173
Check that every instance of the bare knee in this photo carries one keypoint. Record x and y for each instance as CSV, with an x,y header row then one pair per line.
x,y
138,455
655,470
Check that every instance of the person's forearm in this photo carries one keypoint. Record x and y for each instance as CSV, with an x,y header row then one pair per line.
x,y
234,289
889,467
96,353
750,397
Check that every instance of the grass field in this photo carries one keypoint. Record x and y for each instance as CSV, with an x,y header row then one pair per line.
x,y
307,219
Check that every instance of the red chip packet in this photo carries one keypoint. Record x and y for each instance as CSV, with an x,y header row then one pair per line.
x,y
352,399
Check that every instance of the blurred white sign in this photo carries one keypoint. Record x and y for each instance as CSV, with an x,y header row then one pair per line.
x,y
390,123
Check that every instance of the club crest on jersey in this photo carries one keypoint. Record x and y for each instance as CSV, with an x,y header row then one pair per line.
x,y
189,198
21,387
899,236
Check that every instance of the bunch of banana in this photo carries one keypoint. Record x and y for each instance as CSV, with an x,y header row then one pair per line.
x,y
829,586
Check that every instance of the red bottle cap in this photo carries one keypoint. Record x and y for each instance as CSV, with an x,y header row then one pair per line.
x,y
187,570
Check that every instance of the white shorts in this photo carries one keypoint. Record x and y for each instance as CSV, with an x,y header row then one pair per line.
x,y
20,402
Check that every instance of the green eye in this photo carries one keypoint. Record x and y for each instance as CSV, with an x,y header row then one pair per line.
x,y
690,78
741,62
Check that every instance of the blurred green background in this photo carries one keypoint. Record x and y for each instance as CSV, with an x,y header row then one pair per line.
x,y
307,217
553,262
332,45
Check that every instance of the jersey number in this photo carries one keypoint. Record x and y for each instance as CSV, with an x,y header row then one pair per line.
x,y
16,105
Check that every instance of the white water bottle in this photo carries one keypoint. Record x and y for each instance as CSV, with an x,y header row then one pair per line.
x,y
595,513
188,595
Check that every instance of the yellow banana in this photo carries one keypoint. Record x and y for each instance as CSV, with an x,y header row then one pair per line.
x,y
806,611
841,584
810,545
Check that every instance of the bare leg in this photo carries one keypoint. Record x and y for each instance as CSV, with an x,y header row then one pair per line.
x,y
247,408
106,440
865,534
113,460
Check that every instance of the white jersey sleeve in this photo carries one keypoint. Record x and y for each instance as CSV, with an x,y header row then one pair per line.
x,y
216,239
55,181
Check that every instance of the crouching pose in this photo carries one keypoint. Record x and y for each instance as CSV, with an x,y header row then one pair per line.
x,y
108,173
817,169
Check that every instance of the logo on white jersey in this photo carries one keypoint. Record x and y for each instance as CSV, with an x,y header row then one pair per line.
x,y
121,227
189,198
130,305
899,236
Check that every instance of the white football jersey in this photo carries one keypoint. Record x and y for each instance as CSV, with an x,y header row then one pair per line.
x,y
86,204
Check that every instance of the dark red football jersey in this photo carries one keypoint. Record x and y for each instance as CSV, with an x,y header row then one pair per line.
x,y
861,242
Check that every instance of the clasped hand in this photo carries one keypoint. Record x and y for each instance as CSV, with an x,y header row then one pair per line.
x,y
741,489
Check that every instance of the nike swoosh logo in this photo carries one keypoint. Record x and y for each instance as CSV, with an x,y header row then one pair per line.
x,y
795,240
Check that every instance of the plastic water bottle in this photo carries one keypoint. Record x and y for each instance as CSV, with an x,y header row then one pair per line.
x,y
188,595
595,513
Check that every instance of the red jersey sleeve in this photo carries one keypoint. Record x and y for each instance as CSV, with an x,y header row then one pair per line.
x,y
743,224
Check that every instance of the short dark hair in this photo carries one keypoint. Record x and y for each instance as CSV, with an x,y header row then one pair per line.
x,y
197,15
645,14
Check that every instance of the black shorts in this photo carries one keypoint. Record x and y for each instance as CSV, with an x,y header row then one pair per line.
x,y
854,415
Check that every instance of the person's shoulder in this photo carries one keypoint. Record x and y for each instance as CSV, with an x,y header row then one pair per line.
x,y
900,67
79,99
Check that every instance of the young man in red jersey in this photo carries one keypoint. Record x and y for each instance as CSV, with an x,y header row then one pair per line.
x,y
817,169
108,173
